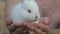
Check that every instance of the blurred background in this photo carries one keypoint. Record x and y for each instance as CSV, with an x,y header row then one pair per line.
x,y
49,8
2,4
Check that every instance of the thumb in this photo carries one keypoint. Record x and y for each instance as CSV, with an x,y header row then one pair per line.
x,y
8,22
45,21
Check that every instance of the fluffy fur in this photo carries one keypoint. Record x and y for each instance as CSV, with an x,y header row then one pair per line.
x,y
20,11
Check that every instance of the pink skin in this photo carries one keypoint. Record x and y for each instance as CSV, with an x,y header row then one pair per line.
x,y
44,22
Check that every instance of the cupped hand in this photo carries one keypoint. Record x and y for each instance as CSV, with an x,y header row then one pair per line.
x,y
40,28
16,28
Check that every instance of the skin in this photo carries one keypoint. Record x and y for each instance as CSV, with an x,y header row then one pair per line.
x,y
49,8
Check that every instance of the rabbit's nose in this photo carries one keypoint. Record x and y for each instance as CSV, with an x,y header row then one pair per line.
x,y
36,17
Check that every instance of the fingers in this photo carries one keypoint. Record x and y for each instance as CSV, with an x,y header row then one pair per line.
x,y
12,27
34,29
31,32
16,28
45,20
8,22
19,30
39,28
42,27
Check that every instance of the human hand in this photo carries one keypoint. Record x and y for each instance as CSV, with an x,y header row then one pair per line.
x,y
40,28
15,28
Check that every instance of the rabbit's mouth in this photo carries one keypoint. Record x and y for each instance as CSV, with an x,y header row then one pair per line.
x,y
29,19
35,19
32,20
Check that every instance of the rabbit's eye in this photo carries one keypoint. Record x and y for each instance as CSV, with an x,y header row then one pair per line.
x,y
29,11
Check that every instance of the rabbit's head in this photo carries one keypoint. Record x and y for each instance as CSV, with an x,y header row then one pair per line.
x,y
29,15
31,10
26,11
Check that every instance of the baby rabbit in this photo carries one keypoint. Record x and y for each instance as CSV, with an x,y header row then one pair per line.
x,y
27,10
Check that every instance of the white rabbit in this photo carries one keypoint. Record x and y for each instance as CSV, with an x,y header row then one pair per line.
x,y
26,10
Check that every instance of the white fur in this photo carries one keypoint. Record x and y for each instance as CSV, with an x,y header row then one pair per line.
x,y
20,11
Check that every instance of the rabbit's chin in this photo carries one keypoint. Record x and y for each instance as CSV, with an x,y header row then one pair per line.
x,y
32,22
